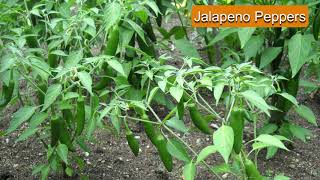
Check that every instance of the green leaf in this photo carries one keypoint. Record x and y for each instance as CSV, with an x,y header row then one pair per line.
x,y
152,94
153,6
138,29
299,47
58,53
255,99
27,133
299,132
45,172
271,152
22,115
270,141
224,32
217,92
70,95
142,15
85,80
308,86
307,114
73,59
186,48
223,139
221,168
244,35
268,55
37,119
204,153
176,92
69,171
253,46
281,177
268,129
290,98
62,151
177,149
162,85
177,124
51,95
37,169
112,14
40,67
207,82
116,65
260,145
115,120
189,171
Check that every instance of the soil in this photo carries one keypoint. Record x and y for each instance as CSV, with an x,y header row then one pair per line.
x,y
111,158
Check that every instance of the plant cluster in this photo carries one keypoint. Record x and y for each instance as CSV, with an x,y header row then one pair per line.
x,y
75,66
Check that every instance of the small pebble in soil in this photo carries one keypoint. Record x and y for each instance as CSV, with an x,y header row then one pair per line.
x,y
214,126
119,160
15,165
315,172
292,166
99,150
7,140
224,176
126,176
86,154
137,137
198,141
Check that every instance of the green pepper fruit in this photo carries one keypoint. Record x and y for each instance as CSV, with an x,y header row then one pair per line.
x,y
149,129
251,170
196,117
7,92
104,81
80,116
316,26
147,48
53,60
59,132
180,108
159,141
165,156
43,86
237,123
111,50
149,31
112,43
198,120
132,142
31,40
68,116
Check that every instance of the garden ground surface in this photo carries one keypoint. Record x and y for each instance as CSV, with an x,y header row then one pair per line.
x,y
111,157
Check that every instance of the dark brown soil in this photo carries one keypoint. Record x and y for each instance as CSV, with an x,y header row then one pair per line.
x,y
111,157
